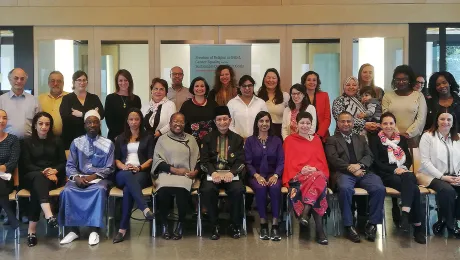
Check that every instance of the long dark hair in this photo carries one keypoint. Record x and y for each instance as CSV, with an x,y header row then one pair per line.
x,y
50,134
217,83
127,133
454,88
256,121
304,77
301,88
453,130
192,85
263,93
127,75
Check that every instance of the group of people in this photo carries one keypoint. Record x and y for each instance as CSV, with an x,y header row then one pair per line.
x,y
229,136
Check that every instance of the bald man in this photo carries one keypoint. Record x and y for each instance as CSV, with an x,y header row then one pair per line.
x,y
177,93
20,105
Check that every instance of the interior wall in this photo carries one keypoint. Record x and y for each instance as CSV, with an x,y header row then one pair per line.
x,y
135,58
240,12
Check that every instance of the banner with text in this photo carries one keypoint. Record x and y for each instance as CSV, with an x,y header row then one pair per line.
x,y
204,59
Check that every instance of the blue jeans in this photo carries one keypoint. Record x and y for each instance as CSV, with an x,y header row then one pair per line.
x,y
132,185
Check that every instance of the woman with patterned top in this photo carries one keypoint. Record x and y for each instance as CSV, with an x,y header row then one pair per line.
x,y
199,110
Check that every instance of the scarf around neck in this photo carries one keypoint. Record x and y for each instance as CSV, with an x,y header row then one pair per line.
x,y
396,154
154,108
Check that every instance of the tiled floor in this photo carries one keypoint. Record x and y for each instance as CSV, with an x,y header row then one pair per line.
x,y
141,246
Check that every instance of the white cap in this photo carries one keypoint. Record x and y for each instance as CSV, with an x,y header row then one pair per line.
x,y
92,113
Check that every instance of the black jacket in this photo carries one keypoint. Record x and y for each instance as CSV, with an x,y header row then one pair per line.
x,y
145,151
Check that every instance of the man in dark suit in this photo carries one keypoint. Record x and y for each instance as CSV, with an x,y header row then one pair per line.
x,y
222,159
351,158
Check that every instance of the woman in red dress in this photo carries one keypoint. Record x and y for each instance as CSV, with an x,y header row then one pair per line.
x,y
306,174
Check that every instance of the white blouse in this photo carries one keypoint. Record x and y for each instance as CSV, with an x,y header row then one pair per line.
x,y
167,109
436,154
132,157
243,115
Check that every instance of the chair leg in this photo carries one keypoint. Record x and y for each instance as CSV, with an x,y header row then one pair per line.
x,y
17,231
287,218
154,222
244,215
427,214
384,226
198,219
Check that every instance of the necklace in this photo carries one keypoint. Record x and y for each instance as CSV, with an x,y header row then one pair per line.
x,y
263,141
124,102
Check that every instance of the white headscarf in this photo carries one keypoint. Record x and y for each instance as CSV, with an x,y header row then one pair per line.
x,y
92,112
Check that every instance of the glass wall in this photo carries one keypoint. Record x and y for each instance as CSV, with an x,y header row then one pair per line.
x,y
6,57
323,57
132,56
383,53
66,56
453,51
432,50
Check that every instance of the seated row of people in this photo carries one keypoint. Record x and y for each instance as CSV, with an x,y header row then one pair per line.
x,y
176,159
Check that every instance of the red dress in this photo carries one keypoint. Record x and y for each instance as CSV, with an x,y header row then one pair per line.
x,y
308,188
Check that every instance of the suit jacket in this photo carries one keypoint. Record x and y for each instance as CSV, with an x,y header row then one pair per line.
x,y
323,112
338,155
145,150
208,152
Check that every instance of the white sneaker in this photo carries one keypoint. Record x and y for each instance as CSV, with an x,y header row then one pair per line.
x,y
69,238
93,239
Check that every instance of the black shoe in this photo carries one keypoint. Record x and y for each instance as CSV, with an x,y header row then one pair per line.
x,y
419,235
32,240
149,215
52,222
275,233
438,227
215,233
404,223
119,237
178,231
305,216
235,231
370,231
455,231
165,232
352,234
264,232
322,240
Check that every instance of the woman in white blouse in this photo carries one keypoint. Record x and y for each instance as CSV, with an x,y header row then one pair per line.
x,y
297,102
440,170
275,99
245,107
159,110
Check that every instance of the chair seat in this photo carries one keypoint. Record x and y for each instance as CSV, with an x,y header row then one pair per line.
x,y
329,191
56,192
423,190
23,193
392,192
249,190
431,191
116,192
12,196
360,192
284,190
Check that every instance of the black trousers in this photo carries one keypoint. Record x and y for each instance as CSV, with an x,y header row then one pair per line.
x,y
210,196
165,196
39,187
448,197
406,183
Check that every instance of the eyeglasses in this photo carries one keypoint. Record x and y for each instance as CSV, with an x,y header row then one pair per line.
x,y
247,86
401,81
158,89
81,80
420,82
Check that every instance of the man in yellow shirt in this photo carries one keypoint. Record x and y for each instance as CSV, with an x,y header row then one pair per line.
x,y
50,102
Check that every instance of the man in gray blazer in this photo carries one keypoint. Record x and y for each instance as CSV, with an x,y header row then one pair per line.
x,y
350,156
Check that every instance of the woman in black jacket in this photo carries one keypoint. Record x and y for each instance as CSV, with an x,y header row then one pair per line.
x,y
392,162
133,158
